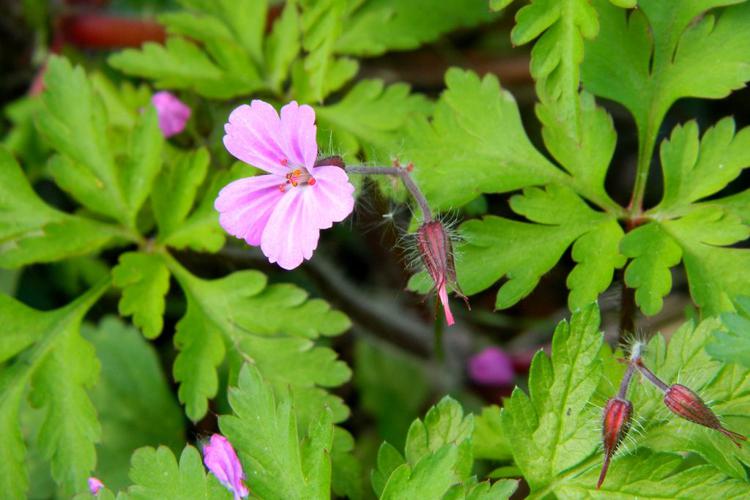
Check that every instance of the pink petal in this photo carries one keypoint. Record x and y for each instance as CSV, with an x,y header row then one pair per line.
x,y
173,114
254,136
220,458
298,129
95,485
333,195
443,295
291,234
491,367
245,206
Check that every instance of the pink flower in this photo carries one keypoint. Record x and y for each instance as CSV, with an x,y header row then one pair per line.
x,y
220,458
436,251
173,113
284,210
95,485
491,367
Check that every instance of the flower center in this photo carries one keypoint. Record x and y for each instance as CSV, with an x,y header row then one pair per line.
x,y
297,177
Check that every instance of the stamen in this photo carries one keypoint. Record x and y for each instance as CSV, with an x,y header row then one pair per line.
x,y
311,181
284,162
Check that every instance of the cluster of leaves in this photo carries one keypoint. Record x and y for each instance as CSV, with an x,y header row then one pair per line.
x,y
644,59
555,429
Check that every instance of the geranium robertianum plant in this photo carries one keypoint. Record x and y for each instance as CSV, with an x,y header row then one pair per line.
x,y
124,187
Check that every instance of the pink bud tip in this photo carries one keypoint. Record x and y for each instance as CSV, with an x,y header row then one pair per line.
x,y
685,403
491,367
173,113
615,425
436,252
221,460
95,485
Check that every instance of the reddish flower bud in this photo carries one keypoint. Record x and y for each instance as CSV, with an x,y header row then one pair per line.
x,y
436,252
686,404
615,424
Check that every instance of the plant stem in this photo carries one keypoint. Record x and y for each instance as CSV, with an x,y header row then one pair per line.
x,y
623,391
651,376
403,173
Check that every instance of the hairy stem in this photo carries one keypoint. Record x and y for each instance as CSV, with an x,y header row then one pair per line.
x,y
651,376
403,173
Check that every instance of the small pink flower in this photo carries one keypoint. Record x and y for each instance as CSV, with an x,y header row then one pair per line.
x,y
284,210
436,251
491,367
95,485
173,113
220,458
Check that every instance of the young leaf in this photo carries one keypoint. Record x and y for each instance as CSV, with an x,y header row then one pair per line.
x,y
32,231
264,429
59,367
144,280
377,26
156,474
135,403
551,426
731,344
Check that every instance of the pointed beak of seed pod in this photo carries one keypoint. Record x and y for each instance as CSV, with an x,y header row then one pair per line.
x,y
685,403
615,425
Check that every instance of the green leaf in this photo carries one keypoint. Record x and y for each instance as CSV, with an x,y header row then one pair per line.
x,y
478,116
438,457
178,185
200,231
271,326
374,27
322,23
157,474
144,280
489,440
181,64
264,429
32,231
670,53
732,343
283,45
371,118
652,476
495,247
135,403
551,426
694,170
58,367
347,480
653,253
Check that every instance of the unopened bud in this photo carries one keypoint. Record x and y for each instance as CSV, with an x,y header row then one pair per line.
x,y
436,252
686,404
615,425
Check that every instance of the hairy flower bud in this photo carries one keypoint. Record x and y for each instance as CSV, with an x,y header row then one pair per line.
x,y
615,425
436,252
684,403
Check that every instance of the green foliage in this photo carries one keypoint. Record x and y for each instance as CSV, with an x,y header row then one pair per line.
x,y
144,280
280,463
438,460
731,344
157,474
50,357
135,403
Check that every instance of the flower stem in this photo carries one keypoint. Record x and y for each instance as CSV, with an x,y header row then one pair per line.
x,y
403,173
622,393
651,376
